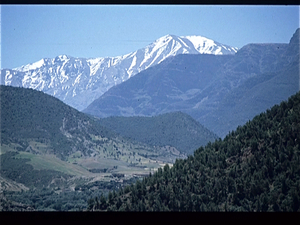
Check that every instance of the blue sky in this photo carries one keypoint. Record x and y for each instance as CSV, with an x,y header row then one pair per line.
x,y
30,33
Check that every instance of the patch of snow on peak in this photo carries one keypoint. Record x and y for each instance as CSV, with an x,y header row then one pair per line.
x,y
201,44
63,57
32,66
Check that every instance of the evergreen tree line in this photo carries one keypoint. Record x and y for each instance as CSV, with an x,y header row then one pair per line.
x,y
255,168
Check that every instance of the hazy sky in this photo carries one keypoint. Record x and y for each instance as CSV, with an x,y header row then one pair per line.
x,y
30,33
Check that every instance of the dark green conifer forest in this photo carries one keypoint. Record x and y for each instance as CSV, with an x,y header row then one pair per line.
x,y
170,129
255,168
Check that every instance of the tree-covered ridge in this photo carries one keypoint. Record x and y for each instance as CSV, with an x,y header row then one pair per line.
x,y
255,168
175,129
30,114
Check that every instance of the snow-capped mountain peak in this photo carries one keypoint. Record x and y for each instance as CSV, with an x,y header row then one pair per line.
x,y
79,81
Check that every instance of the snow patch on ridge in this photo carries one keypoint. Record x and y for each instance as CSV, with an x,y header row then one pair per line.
x,y
32,66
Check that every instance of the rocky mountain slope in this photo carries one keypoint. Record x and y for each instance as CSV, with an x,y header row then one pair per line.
x,y
210,88
79,81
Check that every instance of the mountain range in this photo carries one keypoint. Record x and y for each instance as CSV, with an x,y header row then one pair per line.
x,y
210,88
79,81
178,93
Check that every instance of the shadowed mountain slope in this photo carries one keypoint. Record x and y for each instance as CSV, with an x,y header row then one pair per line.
x,y
210,88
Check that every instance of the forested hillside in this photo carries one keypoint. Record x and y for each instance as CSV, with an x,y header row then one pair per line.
x,y
37,123
175,129
255,168
27,115
54,157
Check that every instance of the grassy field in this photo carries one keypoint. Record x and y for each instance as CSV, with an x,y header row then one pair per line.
x,y
110,158
50,162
